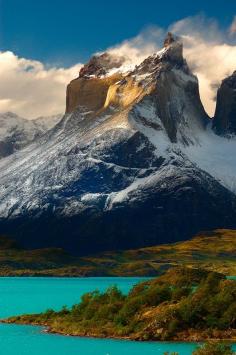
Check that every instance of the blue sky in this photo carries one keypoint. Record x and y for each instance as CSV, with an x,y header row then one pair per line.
x,y
65,32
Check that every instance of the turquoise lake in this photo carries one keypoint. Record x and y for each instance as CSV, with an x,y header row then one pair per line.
x,y
29,295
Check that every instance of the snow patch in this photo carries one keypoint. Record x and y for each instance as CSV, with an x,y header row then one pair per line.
x,y
215,155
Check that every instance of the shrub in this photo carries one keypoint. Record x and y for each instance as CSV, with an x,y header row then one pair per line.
x,y
214,348
156,294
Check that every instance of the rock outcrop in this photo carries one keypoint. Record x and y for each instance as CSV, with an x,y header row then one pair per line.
x,y
99,65
90,88
224,122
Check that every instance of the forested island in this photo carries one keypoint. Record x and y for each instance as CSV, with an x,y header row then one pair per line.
x,y
184,304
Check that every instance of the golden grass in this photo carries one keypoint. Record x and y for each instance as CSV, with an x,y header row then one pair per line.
x,y
214,250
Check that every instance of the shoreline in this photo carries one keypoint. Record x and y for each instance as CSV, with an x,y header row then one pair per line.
x,y
174,307
48,330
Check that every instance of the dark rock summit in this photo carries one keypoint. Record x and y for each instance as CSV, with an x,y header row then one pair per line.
x,y
175,49
100,64
224,122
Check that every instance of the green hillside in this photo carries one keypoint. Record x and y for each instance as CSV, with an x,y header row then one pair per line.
x,y
215,251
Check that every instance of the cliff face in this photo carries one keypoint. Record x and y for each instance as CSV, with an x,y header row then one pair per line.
x,y
89,93
90,88
224,122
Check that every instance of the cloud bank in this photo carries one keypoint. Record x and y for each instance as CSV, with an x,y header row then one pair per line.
x,y
140,47
31,89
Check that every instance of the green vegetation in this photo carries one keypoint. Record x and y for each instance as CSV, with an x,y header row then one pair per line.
x,y
183,304
214,251
210,348
214,349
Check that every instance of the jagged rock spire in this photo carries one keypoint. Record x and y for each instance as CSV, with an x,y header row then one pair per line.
x,y
224,122
170,38
174,48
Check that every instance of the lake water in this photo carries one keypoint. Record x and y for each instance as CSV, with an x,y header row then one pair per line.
x,y
29,295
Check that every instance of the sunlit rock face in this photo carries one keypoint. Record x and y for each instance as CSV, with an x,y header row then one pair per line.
x,y
164,75
132,163
91,87
224,122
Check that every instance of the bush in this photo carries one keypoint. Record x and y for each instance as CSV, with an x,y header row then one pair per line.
x,y
213,348
157,294
128,311
160,309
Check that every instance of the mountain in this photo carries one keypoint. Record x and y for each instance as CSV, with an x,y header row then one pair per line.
x,y
133,162
225,117
16,132
45,123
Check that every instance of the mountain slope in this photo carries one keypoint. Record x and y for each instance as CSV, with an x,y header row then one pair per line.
x,y
17,132
124,170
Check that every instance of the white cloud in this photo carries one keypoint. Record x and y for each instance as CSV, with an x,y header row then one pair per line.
x,y
140,47
29,89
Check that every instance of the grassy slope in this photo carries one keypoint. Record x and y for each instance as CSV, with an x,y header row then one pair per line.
x,y
215,251
183,304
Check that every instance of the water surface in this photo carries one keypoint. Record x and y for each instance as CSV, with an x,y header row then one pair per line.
x,y
36,294
31,295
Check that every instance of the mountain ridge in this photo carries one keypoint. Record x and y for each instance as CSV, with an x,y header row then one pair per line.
x,y
213,251
17,132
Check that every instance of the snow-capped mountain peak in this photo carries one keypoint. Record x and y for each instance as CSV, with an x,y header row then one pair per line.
x,y
131,163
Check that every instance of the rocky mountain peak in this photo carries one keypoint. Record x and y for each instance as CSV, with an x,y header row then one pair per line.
x,y
164,76
169,57
224,122
173,49
99,65
231,80
174,90
170,38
